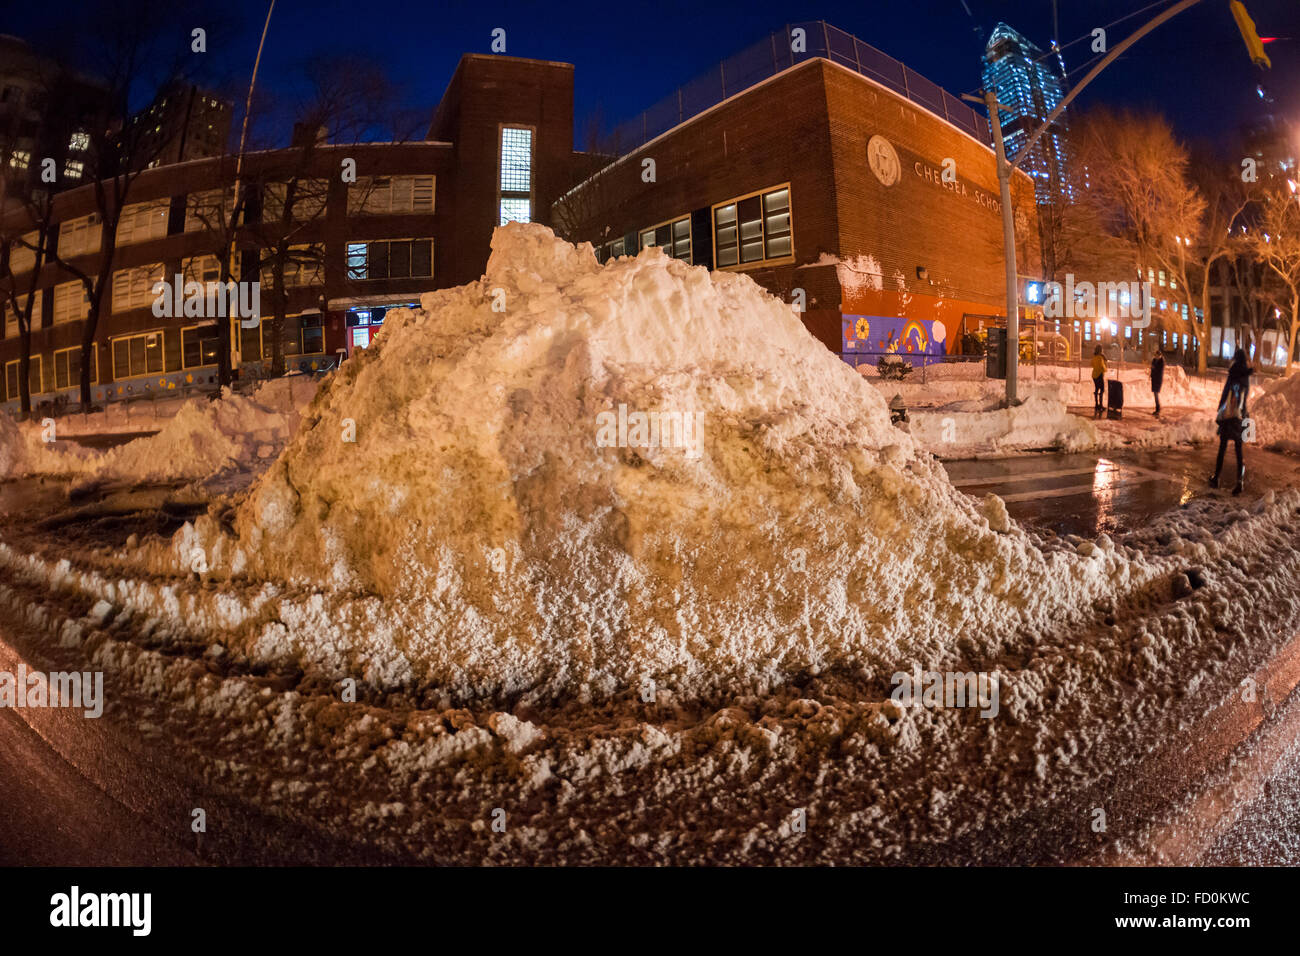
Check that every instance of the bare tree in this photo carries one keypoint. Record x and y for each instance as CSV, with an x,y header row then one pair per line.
x,y
1275,241
26,228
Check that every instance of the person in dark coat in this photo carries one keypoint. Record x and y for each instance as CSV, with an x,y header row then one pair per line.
x,y
1232,411
1157,377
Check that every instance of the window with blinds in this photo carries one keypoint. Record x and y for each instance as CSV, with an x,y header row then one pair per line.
x,y
207,209
391,195
11,315
133,288
310,197
33,378
22,255
753,229
70,302
80,236
207,269
673,237
143,220
305,265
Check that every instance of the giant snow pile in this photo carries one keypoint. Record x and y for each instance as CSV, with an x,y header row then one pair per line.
x,y
1276,410
454,500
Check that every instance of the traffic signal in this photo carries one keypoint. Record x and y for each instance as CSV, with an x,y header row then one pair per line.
x,y
1247,27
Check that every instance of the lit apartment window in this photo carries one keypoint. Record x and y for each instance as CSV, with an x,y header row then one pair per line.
x,y
390,259
79,141
133,288
33,378
67,367
516,175
20,159
753,229
309,200
207,269
208,209
70,302
137,355
143,220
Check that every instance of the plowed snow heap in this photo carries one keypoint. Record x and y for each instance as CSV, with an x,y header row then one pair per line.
x,y
501,515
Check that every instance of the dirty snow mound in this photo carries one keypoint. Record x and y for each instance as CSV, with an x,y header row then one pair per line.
x,y
454,500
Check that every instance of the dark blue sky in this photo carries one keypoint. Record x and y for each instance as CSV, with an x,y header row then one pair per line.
x,y
627,56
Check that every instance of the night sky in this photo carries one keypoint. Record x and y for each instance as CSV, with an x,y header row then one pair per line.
x,y
627,56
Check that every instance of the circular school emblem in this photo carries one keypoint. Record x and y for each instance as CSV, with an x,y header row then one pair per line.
x,y
883,160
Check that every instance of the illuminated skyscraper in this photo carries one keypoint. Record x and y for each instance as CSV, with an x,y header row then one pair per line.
x,y
1029,84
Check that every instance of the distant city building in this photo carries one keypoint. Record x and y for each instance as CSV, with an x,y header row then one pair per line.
x,y
188,123
1029,85
46,113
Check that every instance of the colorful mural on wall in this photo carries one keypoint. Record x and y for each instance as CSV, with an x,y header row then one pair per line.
x,y
916,340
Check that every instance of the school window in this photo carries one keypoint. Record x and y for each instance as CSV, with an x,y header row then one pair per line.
x,y
11,316
673,237
207,269
199,345
33,378
208,209
74,169
143,220
137,355
390,259
22,254
309,199
67,367
614,249
134,288
753,229
70,302
79,236
313,335
304,265
391,194
79,141
516,175
250,341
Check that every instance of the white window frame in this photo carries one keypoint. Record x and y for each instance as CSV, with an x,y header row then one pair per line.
x,y
80,236
517,194
11,317
133,287
143,221
392,195
62,293
669,250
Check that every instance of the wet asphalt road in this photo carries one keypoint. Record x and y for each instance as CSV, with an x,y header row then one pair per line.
x,y
1088,494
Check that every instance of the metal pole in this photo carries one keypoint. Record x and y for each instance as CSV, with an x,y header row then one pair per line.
x,y
239,161
1008,248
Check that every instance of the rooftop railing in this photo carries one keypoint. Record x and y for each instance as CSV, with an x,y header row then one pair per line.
x,y
770,56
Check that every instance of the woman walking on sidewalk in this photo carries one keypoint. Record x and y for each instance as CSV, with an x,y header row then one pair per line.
x,y
1157,377
1098,379
1232,410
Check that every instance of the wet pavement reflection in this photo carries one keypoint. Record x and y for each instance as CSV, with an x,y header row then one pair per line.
x,y
1087,494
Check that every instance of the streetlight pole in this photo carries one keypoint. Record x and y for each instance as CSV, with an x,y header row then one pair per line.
x,y
1006,166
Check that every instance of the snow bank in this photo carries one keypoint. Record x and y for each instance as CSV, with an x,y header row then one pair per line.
x,y
203,438
1276,410
450,504
977,425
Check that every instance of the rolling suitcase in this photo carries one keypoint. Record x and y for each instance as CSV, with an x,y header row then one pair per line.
x,y
1114,398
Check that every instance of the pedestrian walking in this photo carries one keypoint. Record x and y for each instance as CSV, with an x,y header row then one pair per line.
x,y
1157,377
1098,379
1232,411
